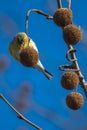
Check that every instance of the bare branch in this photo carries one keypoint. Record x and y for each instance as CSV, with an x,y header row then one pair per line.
x,y
59,3
68,57
66,67
83,83
18,113
37,11
69,4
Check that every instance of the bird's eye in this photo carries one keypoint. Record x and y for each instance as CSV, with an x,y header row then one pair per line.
x,y
20,40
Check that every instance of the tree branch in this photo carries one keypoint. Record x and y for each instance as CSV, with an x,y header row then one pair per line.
x,y
69,4
18,113
37,11
82,81
59,3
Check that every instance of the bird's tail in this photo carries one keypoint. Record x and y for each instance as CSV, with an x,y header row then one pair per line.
x,y
47,74
41,68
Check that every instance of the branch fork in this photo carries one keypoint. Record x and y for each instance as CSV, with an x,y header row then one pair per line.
x,y
70,55
37,11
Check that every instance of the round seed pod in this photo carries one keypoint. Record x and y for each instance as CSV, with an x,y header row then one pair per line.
x,y
29,57
63,17
69,80
72,34
74,100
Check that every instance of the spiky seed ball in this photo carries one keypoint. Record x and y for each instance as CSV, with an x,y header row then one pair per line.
x,y
28,57
69,80
72,34
63,17
74,100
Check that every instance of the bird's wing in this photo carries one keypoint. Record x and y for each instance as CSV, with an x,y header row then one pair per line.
x,y
41,68
32,44
14,51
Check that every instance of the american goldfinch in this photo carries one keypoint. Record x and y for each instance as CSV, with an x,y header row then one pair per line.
x,y
22,42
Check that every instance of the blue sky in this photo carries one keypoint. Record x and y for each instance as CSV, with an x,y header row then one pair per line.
x,y
48,108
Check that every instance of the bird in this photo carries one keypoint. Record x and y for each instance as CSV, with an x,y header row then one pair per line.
x,y
22,41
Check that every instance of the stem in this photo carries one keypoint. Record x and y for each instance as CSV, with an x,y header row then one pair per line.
x,y
19,114
76,66
69,4
66,67
37,11
59,3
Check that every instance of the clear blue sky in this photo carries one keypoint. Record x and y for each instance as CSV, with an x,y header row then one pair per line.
x,y
50,112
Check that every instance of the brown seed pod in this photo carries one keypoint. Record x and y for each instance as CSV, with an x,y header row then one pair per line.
x,y
72,34
63,17
29,57
69,80
74,100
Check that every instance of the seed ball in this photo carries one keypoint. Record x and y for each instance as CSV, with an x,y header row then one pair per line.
x,y
74,100
69,80
72,34
63,17
28,57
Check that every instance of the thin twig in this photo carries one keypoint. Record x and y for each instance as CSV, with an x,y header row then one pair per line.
x,y
67,54
69,4
82,81
59,3
66,67
37,11
19,114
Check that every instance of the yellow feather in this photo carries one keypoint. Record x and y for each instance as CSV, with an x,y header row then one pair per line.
x,y
12,50
31,44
